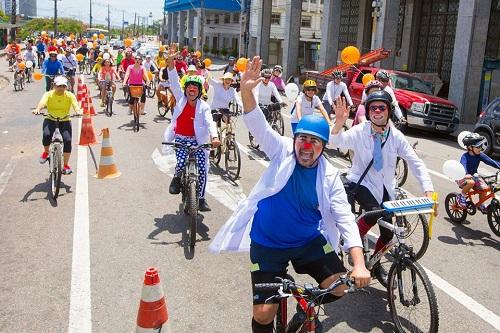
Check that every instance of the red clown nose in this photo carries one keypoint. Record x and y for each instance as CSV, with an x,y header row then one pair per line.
x,y
307,145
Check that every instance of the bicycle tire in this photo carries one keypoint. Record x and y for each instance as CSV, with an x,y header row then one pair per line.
x,y
401,173
88,69
21,83
396,280
109,106
15,85
151,90
279,326
55,171
420,226
456,214
253,143
232,153
136,116
280,124
162,110
494,217
192,201
218,154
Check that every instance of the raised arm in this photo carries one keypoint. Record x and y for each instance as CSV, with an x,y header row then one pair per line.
x,y
173,76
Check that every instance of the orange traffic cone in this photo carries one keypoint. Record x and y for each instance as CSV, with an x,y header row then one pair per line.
x,y
107,165
152,313
80,90
84,103
87,134
90,106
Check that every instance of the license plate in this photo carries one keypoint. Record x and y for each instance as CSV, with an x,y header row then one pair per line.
x,y
441,127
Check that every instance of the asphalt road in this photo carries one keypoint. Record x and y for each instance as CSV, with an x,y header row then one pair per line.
x,y
101,240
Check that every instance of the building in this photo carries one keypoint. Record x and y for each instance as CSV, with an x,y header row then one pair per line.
x,y
221,28
27,8
7,6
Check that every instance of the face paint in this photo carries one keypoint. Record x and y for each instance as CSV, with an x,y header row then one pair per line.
x,y
307,145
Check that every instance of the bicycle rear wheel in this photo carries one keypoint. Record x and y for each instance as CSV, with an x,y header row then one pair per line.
x,y
232,159
401,173
192,204
412,300
88,68
136,115
280,124
55,168
109,106
151,90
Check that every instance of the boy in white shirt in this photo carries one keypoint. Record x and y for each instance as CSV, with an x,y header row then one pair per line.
x,y
306,103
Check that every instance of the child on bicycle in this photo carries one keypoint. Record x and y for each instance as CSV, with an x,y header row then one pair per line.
x,y
107,73
474,143
19,66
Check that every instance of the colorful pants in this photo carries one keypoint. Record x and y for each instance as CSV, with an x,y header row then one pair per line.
x,y
182,156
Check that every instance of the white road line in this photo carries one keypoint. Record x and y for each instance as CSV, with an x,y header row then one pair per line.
x,y
80,310
7,172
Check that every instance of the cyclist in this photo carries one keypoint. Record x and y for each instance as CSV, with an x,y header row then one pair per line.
x,y
95,70
126,62
192,124
181,66
70,64
13,49
106,51
223,94
294,216
150,65
51,67
191,71
136,75
384,78
306,103
19,70
40,51
163,84
277,80
119,58
29,55
107,73
266,89
58,103
474,143
360,116
230,66
335,89
160,59
379,139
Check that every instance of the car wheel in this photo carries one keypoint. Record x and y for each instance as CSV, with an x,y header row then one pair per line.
x,y
489,142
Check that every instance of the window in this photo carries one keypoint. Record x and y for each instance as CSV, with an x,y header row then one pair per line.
x,y
216,19
275,18
227,18
236,18
306,21
208,20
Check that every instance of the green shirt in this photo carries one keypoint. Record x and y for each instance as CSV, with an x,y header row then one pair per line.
x,y
119,58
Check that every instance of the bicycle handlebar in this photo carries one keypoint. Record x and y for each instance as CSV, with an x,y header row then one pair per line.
x,y
177,145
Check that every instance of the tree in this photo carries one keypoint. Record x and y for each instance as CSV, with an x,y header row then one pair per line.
x,y
65,25
3,17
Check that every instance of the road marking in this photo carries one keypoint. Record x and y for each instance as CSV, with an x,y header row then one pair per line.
x,y
7,172
80,309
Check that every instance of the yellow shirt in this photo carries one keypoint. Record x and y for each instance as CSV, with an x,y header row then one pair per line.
x,y
97,68
59,106
160,61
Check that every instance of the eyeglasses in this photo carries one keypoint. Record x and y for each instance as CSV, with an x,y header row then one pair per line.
x,y
374,108
310,89
61,86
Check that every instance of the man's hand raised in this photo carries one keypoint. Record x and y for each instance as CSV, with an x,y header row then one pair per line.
x,y
249,80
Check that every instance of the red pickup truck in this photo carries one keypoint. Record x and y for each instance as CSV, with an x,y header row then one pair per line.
x,y
421,108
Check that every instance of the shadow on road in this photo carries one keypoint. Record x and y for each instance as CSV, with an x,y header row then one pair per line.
x,y
130,125
159,120
45,188
468,236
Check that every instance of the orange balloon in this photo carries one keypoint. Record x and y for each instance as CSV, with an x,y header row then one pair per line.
x,y
79,57
241,64
350,55
37,76
72,37
85,41
22,65
207,62
101,36
128,42
94,36
95,44
198,54
367,78
44,33
162,48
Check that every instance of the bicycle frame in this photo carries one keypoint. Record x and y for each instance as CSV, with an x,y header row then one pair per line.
x,y
489,191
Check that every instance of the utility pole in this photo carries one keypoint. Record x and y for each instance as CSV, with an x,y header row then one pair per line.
x,y
109,26
162,38
55,18
201,34
13,17
90,18
133,30
123,24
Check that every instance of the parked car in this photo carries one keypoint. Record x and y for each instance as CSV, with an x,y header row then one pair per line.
x,y
118,44
488,126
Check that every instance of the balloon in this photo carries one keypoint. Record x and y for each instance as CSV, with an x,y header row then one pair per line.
x,y
22,65
207,62
454,169
198,54
85,41
29,64
162,48
44,33
94,36
101,36
94,44
79,57
72,37
461,137
150,75
128,42
54,42
291,91
105,56
367,78
37,76
241,64
350,55
90,45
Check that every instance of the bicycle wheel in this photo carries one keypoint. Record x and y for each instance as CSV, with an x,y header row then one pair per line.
x,y
218,153
412,300
15,85
88,68
151,90
494,217
136,115
454,211
253,142
21,83
162,109
55,170
401,173
109,106
280,124
192,204
232,159
417,233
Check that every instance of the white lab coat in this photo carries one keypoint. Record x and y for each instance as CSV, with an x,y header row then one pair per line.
x,y
337,218
360,139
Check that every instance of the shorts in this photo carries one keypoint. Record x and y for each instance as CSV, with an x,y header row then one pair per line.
x,y
316,258
70,72
479,183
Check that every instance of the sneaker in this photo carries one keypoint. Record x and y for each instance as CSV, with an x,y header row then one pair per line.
x,y
462,201
44,157
203,205
175,185
67,170
379,272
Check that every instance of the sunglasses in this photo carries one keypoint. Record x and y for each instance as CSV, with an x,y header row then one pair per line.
x,y
61,86
374,108
267,78
53,55
310,89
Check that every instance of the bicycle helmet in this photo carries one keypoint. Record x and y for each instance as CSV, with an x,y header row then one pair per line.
x,y
382,75
474,140
194,80
337,74
313,125
373,84
231,58
278,68
266,73
382,96
309,84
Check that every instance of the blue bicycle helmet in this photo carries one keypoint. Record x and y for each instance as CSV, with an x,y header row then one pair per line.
x,y
314,125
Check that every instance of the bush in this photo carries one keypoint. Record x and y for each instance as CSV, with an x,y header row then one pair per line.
x,y
205,48
214,51
223,52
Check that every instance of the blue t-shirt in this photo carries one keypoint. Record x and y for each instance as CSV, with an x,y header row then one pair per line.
x,y
471,162
52,67
290,218
40,47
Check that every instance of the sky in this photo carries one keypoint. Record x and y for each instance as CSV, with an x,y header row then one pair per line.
x,y
79,9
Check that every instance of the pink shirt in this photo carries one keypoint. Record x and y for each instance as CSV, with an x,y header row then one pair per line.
x,y
135,75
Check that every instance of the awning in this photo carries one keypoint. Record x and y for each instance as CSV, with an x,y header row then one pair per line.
x,y
222,5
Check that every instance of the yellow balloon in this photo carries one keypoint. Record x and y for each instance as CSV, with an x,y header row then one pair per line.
x,y
162,48
44,33
367,78
350,55
207,62
101,36
241,64
72,37
198,54
94,36
128,42
79,57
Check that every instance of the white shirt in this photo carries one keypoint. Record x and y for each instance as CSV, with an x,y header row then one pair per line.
x,y
334,90
223,97
306,107
397,109
360,139
68,61
148,65
263,93
337,218
30,56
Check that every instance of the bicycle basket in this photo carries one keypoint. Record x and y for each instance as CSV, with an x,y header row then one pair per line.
x,y
135,91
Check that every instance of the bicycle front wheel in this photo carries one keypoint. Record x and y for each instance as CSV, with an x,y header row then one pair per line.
x,y
55,165
416,233
232,159
494,217
109,106
412,300
401,173
192,204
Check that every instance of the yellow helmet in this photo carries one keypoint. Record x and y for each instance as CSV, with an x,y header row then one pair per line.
x,y
310,84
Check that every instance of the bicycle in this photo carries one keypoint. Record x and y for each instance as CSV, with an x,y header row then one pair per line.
x,y
81,66
89,64
308,297
41,58
151,88
167,104
458,214
401,173
108,98
226,123
189,187
404,268
274,118
18,81
136,94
